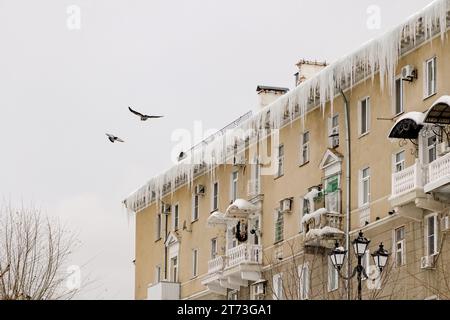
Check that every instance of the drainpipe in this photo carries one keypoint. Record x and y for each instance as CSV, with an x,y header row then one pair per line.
x,y
348,187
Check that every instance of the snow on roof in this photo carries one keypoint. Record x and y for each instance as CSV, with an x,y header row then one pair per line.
x,y
320,233
378,55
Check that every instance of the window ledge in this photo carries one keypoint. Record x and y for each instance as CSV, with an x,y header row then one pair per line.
x,y
398,115
363,135
194,221
279,177
430,96
303,164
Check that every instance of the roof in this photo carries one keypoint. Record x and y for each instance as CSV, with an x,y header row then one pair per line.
x,y
378,56
269,88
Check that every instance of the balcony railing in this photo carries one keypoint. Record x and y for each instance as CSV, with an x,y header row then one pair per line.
x,y
439,169
245,253
164,291
408,180
216,265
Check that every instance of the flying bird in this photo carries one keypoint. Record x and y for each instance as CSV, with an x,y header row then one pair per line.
x,y
113,138
143,117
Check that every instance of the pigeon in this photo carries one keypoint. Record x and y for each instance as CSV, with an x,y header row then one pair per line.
x,y
113,138
143,116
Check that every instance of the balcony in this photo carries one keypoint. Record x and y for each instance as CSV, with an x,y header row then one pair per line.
x,y
408,185
240,265
439,175
164,291
324,226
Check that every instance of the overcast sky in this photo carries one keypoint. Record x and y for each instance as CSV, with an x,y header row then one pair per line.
x,y
62,89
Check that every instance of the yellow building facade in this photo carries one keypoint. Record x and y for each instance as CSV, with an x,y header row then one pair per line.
x,y
261,223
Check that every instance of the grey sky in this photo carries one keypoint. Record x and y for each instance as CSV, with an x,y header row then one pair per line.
x,y
61,90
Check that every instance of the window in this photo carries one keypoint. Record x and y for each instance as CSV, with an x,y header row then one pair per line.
x,y
333,277
364,116
176,217
279,226
364,187
333,131
332,194
194,263
277,283
399,249
399,162
304,276
304,155
215,197
430,77
213,248
233,295
157,274
174,269
431,235
280,170
234,185
158,225
398,105
304,210
431,145
195,209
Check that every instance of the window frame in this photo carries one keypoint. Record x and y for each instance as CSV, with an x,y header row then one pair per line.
x,y
435,234
158,226
214,247
195,207
402,97
278,293
280,160
158,277
278,226
215,197
304,281
396,250
234,185
195,263
395,162
176,217
333,274
331,128
362,180
427,92
305,146
360,116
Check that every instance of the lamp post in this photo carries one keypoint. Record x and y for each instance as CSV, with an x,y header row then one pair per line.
x,y
360,245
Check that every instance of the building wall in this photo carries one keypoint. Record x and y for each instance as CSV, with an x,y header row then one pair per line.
x,y
374,150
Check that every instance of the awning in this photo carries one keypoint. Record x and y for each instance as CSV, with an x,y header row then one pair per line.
x,y
408,126
439,112
240,209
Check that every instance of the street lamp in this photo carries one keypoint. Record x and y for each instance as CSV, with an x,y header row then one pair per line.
x,y
360,245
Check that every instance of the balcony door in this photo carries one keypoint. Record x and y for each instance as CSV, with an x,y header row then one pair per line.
x,y
429,147
332,193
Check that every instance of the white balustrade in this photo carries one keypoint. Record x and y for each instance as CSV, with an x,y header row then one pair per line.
x,y
216,265
439,168
245,253
408,180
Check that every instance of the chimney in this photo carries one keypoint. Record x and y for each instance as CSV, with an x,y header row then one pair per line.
x,y
267,95
307,69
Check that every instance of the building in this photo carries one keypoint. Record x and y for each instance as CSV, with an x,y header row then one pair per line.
x,y
253,212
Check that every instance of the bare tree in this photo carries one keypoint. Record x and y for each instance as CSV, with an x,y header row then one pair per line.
x,y
33,252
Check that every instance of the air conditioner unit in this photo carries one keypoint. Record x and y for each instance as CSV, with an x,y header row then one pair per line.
x,y
199,190
443,149
445,224
286,205
427,262
334,138
409,73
